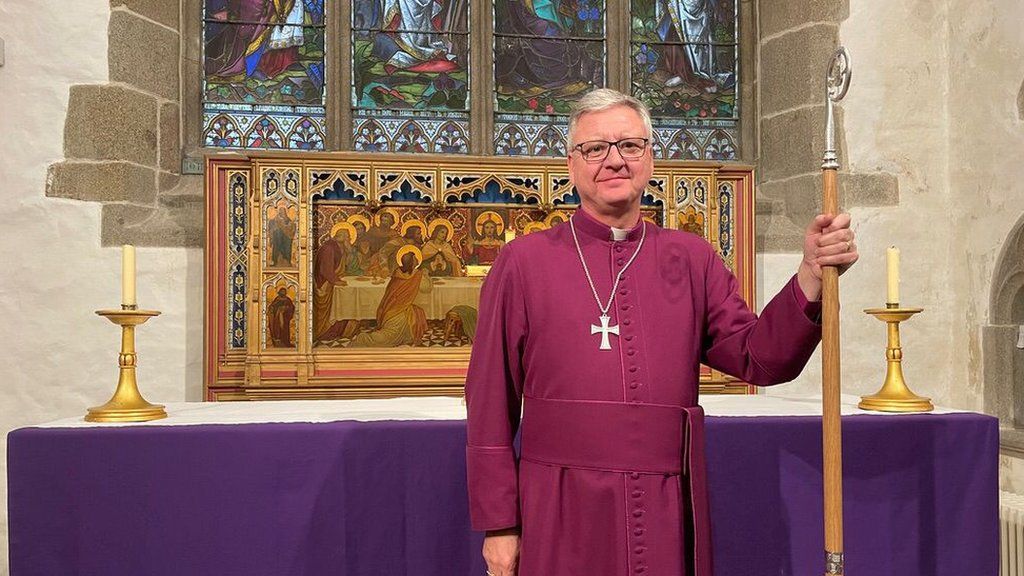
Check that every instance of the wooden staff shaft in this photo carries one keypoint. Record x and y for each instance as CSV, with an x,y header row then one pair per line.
x,y
831,430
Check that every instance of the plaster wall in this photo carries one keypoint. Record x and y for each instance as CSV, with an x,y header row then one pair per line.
x,y
899,54
986,174
61,357
933,101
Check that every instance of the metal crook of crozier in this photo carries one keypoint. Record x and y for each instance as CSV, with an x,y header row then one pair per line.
x,y
837,82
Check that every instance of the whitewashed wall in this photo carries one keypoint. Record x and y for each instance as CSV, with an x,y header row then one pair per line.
x,y
59,357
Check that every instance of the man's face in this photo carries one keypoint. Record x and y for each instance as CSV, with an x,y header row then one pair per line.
x,y
490,229
415,234
441,234
614,184
408,262
386,220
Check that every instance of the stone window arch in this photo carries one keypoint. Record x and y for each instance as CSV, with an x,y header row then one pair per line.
x,y
1003,342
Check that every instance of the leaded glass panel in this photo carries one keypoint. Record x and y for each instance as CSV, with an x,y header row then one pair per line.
x,y
546,55
410,71
264,75
683,65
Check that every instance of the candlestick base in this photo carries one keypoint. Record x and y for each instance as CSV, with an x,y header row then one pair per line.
x,y
895,395
127,404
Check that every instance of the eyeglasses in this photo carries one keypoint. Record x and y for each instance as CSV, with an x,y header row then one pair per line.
x,y
597,150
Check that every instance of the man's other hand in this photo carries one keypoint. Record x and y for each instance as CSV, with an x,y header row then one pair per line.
x,y
501,551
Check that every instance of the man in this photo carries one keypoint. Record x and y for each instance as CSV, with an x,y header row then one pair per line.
x,y
330,265
411,235
596,328
485,250
533,61
280,313
400,321
688,22
438,255
410,40
252,45
385,228
282,235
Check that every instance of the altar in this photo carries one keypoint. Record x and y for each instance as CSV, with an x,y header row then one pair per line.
x,y
378,487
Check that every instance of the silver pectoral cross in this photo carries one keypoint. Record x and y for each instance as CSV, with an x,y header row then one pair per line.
x,y
605,330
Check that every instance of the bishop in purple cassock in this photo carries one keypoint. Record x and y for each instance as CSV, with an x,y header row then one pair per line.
x,y
590,339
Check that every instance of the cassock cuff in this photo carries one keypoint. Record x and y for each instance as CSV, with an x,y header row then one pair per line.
x,y
493,484
812,310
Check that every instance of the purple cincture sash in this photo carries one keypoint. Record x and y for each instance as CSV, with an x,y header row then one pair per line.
x,y
625,437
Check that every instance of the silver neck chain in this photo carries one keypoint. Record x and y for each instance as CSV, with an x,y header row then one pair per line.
x,y
615,285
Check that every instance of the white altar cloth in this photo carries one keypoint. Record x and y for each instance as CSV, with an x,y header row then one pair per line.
x,y
431,408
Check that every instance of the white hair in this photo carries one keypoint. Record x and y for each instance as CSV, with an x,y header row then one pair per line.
x,y
602,99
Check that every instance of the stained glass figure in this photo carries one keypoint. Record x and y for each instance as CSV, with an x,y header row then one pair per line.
x,y
264,75
546,55
410,88
683,65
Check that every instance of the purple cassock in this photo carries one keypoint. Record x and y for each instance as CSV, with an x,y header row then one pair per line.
x,y
610,479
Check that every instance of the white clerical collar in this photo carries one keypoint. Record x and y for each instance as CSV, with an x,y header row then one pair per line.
x,y
619,234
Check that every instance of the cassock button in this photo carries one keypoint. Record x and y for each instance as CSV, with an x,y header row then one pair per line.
x,y
623,292
630,352
632,368
638,531
640,569
626,322
637,493
629,337
620,261
634,475
639,549
633,385
625,307
638,513
618,247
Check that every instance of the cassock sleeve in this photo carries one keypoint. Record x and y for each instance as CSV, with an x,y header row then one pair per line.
x,y
765,350
494,391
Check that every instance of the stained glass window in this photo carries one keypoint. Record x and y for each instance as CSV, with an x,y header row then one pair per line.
x,y
409,87
547,53
410,75
683,65
263,82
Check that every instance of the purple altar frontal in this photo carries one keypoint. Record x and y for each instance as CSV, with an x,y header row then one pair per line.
x,y
388,497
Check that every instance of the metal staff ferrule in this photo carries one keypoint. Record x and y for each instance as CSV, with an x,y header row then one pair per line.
x,y
837,81
833,563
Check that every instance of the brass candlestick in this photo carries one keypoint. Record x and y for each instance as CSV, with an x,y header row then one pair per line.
x,y
895,395
127,404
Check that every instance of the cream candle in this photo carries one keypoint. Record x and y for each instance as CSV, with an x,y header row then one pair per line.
x,y
892,276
